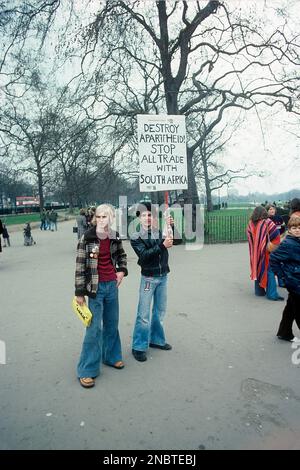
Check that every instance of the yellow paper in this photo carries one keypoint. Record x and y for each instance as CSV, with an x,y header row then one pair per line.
x,y
83,312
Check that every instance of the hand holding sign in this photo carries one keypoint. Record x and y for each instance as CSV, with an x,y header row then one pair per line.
x,y
168,242
162,152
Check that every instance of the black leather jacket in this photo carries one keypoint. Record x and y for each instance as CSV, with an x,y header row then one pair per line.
x,y
285,262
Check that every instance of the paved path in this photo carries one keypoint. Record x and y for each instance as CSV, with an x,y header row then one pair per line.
x,y
228,383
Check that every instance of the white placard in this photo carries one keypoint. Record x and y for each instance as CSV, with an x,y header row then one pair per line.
x,y
162,152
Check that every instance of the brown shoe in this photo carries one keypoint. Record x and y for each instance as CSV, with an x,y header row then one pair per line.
x,y
87,382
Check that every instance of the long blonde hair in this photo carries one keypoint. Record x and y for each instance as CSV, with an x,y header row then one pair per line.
x,y
107,210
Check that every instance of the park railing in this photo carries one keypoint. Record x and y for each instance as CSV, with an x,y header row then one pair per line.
x,y
217,228
225,229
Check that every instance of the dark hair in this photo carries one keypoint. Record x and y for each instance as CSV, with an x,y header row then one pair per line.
x,y
269,207
259,213
142,207
294,205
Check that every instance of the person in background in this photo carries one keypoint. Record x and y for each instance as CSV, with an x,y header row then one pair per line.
x,y
285,262
48,223
1,232
53,220
263,236
43,220
81,223
101,264
295,207
5,235
277,219
280,224
90,216
28,240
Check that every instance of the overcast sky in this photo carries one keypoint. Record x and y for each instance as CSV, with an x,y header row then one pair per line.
x,y
275,152
264,144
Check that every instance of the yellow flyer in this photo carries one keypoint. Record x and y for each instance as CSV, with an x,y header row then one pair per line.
x,y
83,312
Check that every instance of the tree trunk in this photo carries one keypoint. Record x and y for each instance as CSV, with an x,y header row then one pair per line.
x,y
191,194
207,186
171,87
40,185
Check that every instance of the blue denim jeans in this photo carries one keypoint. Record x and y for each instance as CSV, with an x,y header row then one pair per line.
x,y
102,339
146,331
271,291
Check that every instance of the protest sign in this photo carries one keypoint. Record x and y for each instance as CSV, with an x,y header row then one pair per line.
x,y
162,152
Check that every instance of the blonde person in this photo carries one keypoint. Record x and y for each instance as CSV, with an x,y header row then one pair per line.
x,y
101,264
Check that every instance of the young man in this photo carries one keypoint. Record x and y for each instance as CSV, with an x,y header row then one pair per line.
x,y
152,251
285,262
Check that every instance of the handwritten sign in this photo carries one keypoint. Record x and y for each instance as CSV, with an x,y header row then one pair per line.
x,y
162,152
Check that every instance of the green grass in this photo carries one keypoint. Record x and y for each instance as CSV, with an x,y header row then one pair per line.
x,y
224,226
230,228
24,218
233,212
20,219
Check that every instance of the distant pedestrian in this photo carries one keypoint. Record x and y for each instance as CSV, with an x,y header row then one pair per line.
x,y
5,235
53,220
1,232
48,223
28,240
43,220
82,225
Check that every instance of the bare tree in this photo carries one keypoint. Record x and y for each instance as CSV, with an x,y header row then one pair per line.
x,y
201,57
20,22
28,138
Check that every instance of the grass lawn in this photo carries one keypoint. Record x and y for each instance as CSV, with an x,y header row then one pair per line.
x,y
24,218
228,212
223,226
20,219
226,229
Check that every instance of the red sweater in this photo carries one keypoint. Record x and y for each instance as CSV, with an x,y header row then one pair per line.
x,y
106,270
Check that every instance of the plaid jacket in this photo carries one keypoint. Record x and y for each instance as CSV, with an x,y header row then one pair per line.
x,y
86,274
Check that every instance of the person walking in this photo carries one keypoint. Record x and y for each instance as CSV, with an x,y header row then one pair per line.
x,y
5,235
101,264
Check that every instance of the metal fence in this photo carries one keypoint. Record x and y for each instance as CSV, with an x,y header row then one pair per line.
x,y
225,229
217,228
